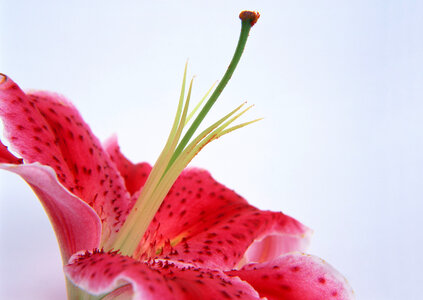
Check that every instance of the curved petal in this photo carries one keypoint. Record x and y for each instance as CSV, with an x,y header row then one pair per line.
x,y
296,276
44,127
7,157
135,175
204,223
100,273
76,224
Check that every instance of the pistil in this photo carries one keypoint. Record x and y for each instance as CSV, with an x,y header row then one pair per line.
x,y
177,153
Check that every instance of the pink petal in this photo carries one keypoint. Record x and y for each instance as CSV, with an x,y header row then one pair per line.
x,y
135,175
44,127
76,224
7,157
296,276
100,273
204,223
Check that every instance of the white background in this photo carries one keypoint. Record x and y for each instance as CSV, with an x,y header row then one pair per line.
x,y
338,82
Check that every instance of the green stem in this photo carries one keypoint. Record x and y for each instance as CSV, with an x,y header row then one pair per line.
x,y
75,293
245,29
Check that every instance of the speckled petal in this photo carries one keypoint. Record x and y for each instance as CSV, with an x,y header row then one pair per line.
x,y
76,224
99,273
44,127
135,175
296,276
204,223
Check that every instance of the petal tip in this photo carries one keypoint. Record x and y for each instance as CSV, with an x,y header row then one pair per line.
x,y
3,78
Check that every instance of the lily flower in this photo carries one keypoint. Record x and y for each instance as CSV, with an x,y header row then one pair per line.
x,y
133,231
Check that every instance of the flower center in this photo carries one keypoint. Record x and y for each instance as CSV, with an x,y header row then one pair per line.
x,y
177,152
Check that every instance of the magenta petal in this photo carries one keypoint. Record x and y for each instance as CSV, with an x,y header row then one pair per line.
x,y
135,175
296,276
7,157
100,273
44,127
76,225
273,245
204,223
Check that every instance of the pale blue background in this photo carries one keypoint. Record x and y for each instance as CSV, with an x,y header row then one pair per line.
x,y
338,82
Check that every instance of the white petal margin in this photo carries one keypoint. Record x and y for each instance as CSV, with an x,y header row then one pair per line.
x,y
75,223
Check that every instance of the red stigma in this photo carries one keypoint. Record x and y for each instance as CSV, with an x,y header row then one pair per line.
x,y
252,16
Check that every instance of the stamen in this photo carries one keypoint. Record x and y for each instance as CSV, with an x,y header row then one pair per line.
x,y
154,177
175,157
199,104
248,18
226,131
